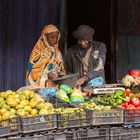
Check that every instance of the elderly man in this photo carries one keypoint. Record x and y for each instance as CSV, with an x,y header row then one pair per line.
x,y
87,58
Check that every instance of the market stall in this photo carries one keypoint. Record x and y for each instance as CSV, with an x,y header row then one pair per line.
x,y
108,112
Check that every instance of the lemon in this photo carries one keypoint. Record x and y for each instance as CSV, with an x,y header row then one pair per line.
x,y
7,107
40,106
28,93
21,112
26,113
12,116
43,112
11,101
2,94
12,111
6,115
33,112
22,97
32,103
2,110
19,106
27,108
24,102
48,106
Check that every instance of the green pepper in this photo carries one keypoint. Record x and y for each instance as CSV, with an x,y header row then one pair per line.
x,y
112,95
119,101
113,101
118,93
115,104
123,99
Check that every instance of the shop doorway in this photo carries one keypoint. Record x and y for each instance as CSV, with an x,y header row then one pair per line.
x,y
99,15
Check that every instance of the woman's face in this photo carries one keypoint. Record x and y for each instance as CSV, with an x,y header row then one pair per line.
x,y
52,38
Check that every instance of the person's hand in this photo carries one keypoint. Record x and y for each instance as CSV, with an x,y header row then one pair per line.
x,y
80,81
60,74
52,76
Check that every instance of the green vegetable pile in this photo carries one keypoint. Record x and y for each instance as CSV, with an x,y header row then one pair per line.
x,y
113,99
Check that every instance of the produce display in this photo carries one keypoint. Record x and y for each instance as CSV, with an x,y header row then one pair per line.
x,y
71,117
114,99
36,115
101,114
23,104
68,94
121,99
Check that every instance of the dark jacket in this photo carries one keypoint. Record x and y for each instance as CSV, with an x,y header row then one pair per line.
x,y
95,63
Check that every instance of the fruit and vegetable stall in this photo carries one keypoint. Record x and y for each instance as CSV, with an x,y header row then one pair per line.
x,y
66,113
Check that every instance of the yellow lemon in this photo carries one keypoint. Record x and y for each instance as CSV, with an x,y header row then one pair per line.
x,y
27,108
34,112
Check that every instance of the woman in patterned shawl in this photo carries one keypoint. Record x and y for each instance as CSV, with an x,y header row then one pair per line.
x,y
45,61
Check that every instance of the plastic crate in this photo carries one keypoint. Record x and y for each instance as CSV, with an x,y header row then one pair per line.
x,y
132,116
56,102
37,137
71,135
38,123
72,120
9,127
105,117
93,134
121,133
61,136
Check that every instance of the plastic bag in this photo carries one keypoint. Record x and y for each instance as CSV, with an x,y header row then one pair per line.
x,y
48,92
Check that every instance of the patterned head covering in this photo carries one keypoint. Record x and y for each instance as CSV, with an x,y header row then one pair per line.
x,y
45,59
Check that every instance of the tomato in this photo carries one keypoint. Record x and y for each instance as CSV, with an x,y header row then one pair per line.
x,y
138,107
135,101
125,104
130,106
127,92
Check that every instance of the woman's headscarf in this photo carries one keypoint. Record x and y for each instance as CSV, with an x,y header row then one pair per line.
x,y
45,58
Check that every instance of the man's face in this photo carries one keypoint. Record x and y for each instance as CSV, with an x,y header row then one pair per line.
x,y
52,38
83,43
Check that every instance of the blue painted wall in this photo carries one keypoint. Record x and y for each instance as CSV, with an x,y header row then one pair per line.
x,y
21,24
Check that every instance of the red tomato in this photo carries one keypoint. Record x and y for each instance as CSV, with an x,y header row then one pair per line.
x,y
127,91
135,101
130,106
125,104
138,107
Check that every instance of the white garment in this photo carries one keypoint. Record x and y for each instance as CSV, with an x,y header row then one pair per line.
x,y
85,60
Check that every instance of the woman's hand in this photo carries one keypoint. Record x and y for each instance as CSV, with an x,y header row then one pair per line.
x,y
60,74
52,76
